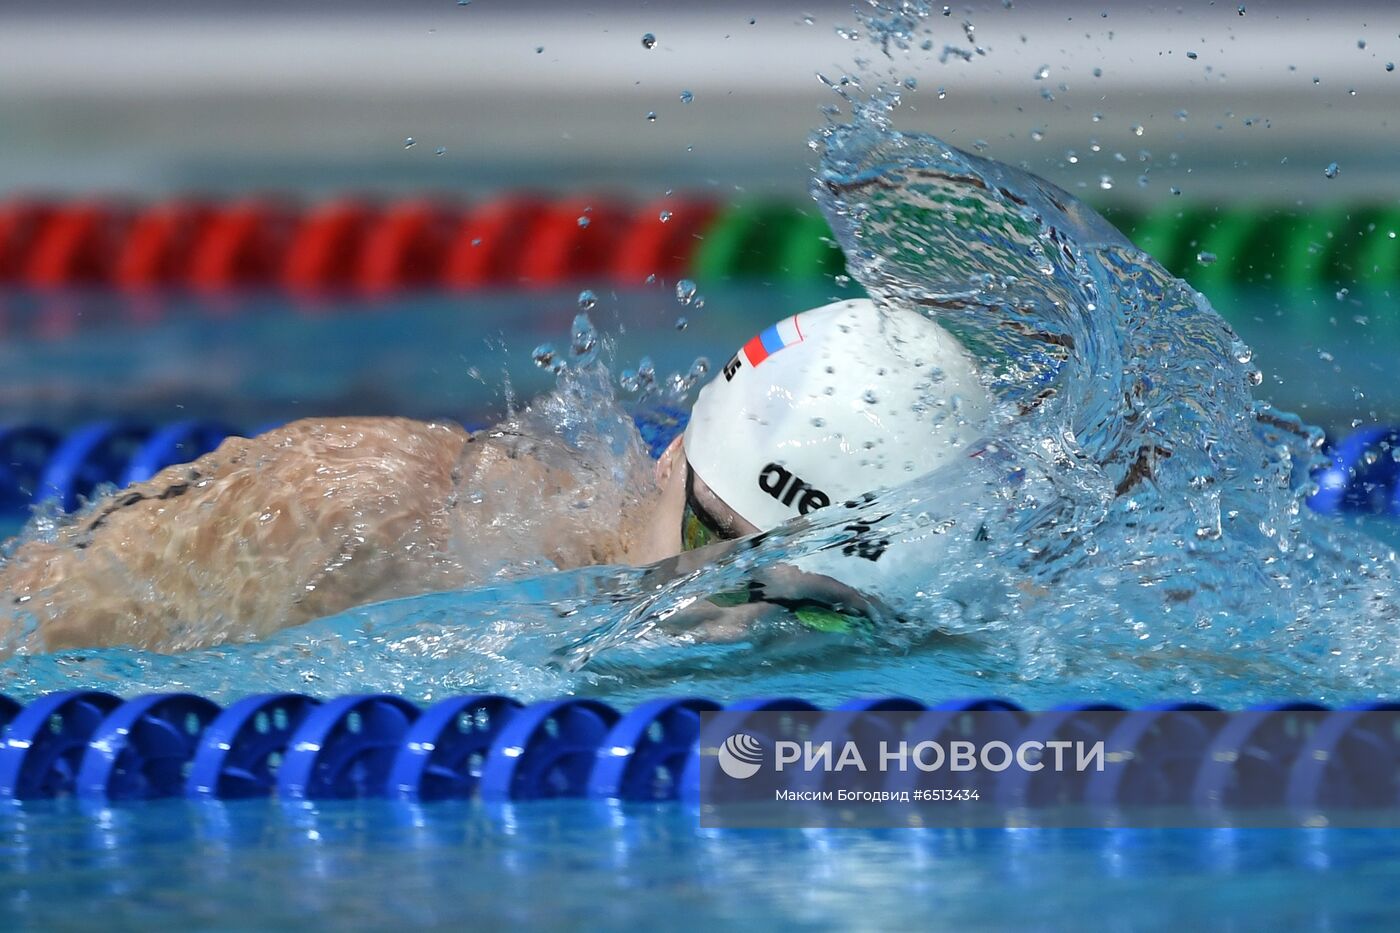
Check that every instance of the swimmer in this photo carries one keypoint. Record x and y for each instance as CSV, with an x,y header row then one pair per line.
x,y
322,515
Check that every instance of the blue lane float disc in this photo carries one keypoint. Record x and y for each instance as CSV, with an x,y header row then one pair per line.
x,y
642,757
88,458
179,442
1352,759
735,719
857,720
881,705
1073,722
9,709
1364,475
980,705
547,750
143,747
45,742
1151,757
344,748
444,751
974,719
239,754
660,426
24,452
1249,758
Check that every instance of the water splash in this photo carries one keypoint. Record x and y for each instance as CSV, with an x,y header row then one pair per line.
x,y
1135,527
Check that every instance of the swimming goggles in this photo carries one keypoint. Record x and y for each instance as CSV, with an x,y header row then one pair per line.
x,y
698,526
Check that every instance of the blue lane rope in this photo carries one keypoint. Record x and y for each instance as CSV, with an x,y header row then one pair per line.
x,y
38,464
98,748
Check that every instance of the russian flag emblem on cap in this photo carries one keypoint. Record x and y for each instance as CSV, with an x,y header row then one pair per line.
x,y
785,333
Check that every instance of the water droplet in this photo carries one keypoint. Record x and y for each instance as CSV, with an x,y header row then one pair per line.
x,y
543,355
1096,117
942,93
409,142
1361,43
1037,135
1241,9
440,150
1390,66
1332,170
1098,72
818,422
686,97
1042,72
1138,129
1174,189
1106,182
651,116
583,344
685,291
464,2
664,216
583,221
539,50
587,301
682,323
1192,55
1205,258
870,397
648,41
1182,115
911,83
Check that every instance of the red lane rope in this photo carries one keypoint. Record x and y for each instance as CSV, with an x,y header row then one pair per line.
x,y
76,244
160,244
407,247
325,250
575,240
345,244
242,247
486,247
661,239
20,222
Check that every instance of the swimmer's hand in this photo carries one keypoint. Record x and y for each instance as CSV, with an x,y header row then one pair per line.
x,y
781,595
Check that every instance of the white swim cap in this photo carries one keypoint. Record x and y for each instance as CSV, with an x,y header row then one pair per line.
x,y
829,404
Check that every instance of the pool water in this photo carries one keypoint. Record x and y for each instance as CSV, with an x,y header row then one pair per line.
x,y
572,865
466,353
569,865
584,865
580,865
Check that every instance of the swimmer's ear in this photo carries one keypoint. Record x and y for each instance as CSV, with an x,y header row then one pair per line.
x,y
667,461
